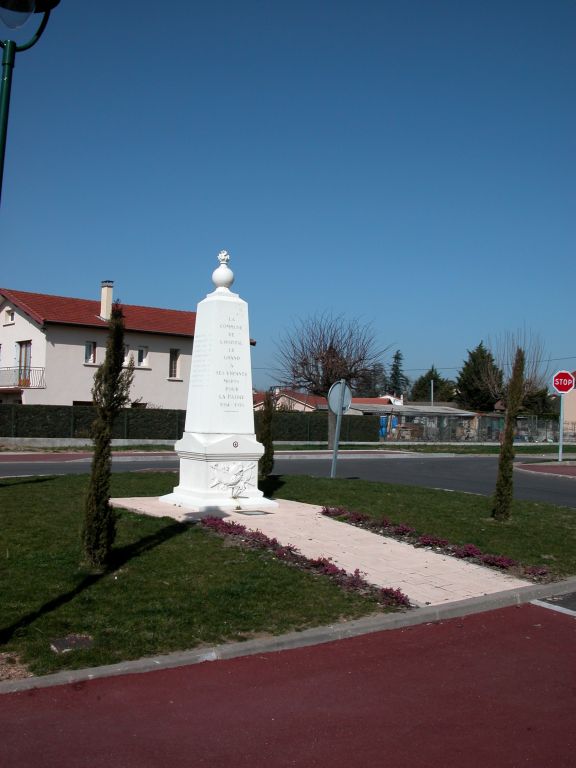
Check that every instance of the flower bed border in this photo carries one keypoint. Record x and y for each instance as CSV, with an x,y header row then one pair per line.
x,y
408,535
387,597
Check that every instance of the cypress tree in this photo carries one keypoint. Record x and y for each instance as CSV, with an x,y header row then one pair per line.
x,y
110,393
264,436
472,392
375,383
538,403
503,496
443,388
398,382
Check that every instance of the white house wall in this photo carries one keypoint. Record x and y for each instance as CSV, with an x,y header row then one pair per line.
x,y
570,410
22,329
69,378
151,382
286,403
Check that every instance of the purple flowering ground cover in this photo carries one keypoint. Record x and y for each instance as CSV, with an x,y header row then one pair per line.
x,y
409,535
387,597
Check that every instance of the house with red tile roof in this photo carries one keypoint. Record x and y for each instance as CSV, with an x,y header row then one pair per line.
x,y
291,400
51,346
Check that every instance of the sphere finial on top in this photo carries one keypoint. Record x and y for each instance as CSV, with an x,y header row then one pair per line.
x,y
223,277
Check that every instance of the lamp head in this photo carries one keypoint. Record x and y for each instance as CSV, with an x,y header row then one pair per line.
x,y
14,13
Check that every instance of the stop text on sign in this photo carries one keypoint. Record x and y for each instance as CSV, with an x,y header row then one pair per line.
x,y
563,381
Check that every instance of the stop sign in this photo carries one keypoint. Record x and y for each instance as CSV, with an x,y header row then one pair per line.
x,y
563,382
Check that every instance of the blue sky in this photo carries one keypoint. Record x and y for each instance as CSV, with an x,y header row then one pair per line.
x,y
408,164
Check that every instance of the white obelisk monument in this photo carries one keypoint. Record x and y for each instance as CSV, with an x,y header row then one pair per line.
x,y
218,451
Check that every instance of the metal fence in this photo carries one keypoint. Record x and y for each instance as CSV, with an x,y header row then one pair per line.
x,y
22,377
479,429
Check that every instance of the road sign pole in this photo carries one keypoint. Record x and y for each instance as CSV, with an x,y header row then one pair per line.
x,y
563,382
561,433
338,426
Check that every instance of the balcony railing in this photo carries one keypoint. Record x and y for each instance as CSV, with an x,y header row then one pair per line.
x,y
24,378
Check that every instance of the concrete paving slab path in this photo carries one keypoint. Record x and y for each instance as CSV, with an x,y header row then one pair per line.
x,y
426,577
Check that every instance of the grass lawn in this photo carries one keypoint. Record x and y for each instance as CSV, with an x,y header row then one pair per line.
x,y
144,447
532,449
173,587
176,586
523,449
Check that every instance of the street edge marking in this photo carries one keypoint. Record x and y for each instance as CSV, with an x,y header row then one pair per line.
x,y
551,607
524,468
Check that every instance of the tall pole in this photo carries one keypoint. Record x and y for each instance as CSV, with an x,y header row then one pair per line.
x,y
8,59
10,48
561,425
338,426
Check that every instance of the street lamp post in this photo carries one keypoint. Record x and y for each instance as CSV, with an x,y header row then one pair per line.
x,y
14,13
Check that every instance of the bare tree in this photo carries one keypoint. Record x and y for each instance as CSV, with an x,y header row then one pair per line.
x,y
324,348
503,349
520,372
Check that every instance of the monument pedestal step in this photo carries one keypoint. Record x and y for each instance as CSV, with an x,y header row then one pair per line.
x,y
204,502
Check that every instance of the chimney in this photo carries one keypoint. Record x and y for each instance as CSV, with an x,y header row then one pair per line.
x,y
106,299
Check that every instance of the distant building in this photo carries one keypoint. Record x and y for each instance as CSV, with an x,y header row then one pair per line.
x,y
292,400
398,420
51,346
570,413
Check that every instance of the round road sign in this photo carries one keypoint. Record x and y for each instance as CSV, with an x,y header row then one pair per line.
x,y
563,382
340,393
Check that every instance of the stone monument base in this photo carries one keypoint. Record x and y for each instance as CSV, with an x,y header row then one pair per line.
x,y
218,472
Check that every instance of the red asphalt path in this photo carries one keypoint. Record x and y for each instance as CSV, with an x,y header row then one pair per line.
x,y
15,458
494,689
551,468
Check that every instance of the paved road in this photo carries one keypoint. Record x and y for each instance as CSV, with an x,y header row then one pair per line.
x,y
473,474
493,689
15,465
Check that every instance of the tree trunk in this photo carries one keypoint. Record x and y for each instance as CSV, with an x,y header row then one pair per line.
x,y
264,436
100,519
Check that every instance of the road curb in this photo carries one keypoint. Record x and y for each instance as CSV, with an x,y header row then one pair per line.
x,y
293,640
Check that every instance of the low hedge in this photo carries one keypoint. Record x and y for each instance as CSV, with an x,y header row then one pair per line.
x,y
64,421
295,426
76,421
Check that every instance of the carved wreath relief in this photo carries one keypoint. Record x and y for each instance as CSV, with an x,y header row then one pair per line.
x,y
236,477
